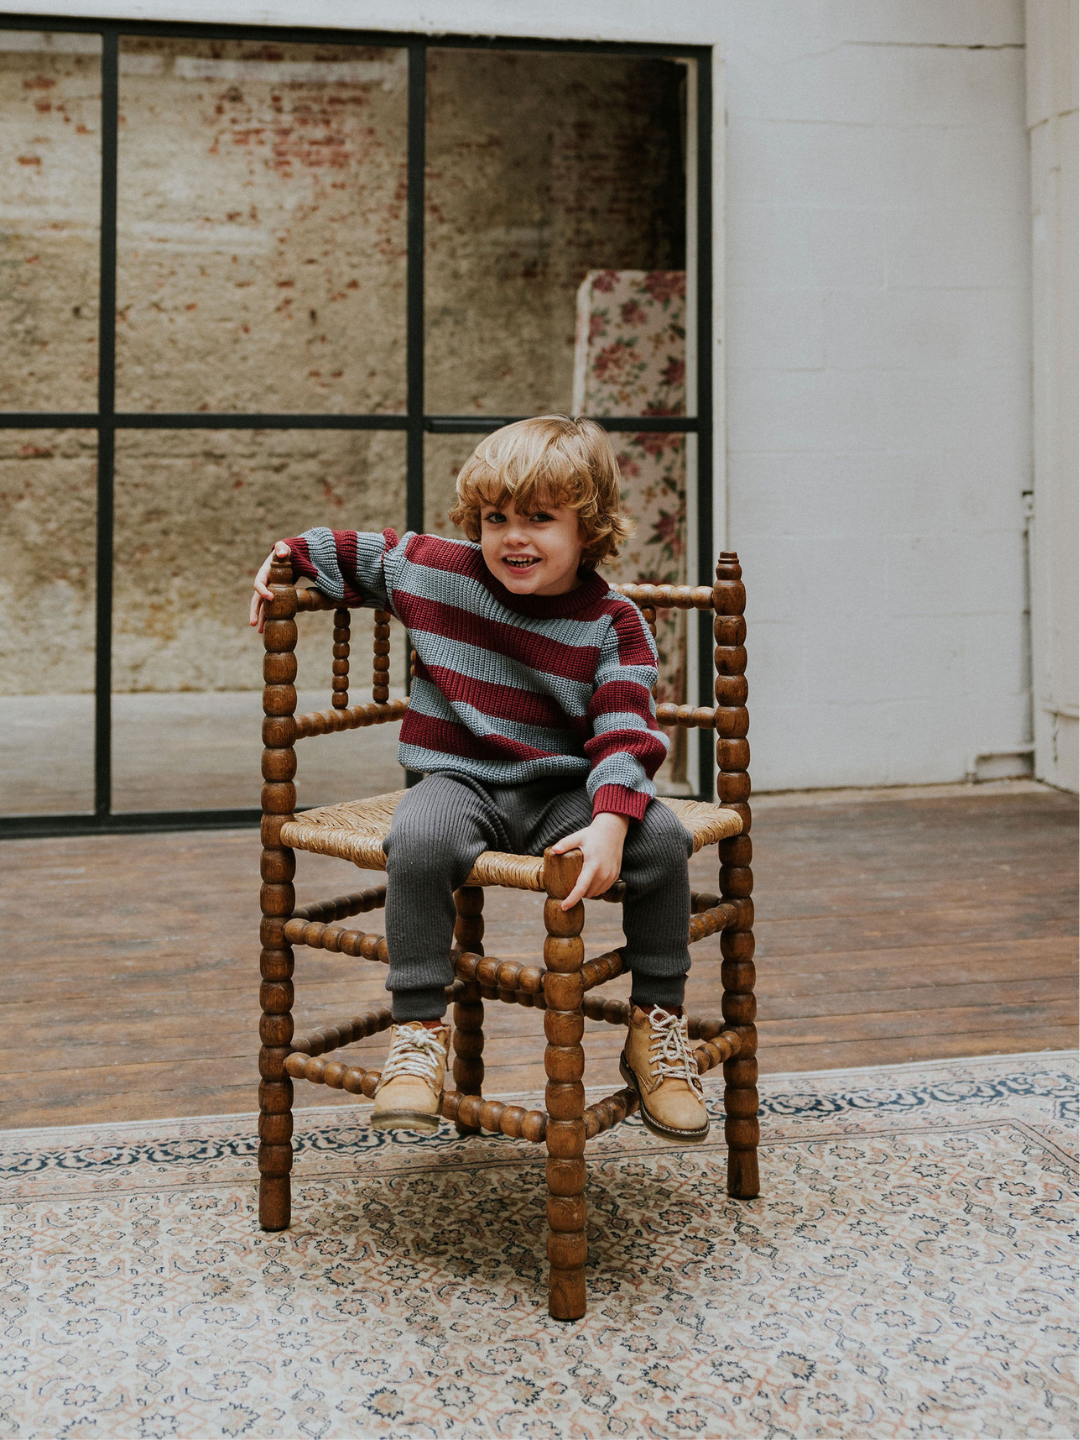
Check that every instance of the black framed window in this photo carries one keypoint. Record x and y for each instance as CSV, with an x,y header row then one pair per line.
x,y
393,225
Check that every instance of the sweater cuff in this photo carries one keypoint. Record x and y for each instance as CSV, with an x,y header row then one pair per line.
x,y
618,800
301,560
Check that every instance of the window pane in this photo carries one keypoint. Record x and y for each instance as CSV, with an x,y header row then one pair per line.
x,y
48,497
50,207
541,168
196,514
261,260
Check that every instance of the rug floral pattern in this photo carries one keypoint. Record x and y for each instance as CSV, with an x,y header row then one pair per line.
x,y
908,1270
630,359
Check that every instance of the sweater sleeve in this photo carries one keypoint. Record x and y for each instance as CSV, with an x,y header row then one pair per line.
x,y
627,746
345,565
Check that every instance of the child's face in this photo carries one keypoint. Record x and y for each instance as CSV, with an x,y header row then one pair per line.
x,y
534,554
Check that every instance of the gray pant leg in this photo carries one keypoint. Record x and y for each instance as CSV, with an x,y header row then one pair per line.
x,y
656,907
438,830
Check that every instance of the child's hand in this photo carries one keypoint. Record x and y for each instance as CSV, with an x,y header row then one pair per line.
x,y
601,843
263,593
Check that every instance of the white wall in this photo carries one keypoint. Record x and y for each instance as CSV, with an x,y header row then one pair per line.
x,y
1052,127
878,395
877,355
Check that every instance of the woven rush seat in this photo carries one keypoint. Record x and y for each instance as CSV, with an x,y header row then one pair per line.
x,y
355,830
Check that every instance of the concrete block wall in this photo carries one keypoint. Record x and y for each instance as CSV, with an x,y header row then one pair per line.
x,y
878,397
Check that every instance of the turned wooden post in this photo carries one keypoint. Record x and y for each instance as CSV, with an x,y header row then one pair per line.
x,y
277,899
469,1008
741,1128
564,1061
380,659
340,683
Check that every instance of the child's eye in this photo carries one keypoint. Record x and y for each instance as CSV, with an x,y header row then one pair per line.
x,y
495,518
542,516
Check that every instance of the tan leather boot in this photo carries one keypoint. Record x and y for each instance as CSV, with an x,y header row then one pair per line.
x,y
658,1062
410,1090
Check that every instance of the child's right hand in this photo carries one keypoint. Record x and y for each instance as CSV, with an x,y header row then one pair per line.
x,y
263,593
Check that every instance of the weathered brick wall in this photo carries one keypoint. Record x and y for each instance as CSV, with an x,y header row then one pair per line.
x,y
261,267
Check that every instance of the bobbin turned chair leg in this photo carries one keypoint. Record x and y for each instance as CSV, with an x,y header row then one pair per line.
x,y
741,1128
278,900
564,1062
469,1008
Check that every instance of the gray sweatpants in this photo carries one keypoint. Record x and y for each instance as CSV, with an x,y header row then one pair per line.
x,y
444,823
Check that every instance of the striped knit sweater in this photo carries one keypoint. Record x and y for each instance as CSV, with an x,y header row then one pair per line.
x,y
508,688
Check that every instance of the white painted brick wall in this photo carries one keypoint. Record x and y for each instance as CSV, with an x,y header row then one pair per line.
x,y
878,395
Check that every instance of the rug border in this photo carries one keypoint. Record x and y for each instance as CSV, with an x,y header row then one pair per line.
x,y
316,1111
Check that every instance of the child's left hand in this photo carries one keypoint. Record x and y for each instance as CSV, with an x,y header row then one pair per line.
x,y
601,843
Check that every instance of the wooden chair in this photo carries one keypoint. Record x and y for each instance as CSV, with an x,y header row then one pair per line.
x,y
562,987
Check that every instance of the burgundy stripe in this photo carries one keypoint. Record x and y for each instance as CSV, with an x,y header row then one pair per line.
x,y
449,555
618,800
622,697
629,625
345,547
301,557
571,662
449,738
501,702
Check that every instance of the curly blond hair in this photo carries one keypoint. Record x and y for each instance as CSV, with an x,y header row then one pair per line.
x,y
548,460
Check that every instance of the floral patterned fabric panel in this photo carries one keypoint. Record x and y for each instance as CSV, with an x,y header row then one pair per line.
x,y
630,359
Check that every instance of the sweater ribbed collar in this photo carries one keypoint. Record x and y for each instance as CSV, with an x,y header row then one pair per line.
x,y
547,607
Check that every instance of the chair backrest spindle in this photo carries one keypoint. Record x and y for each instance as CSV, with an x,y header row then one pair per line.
x,y
340,682
380,663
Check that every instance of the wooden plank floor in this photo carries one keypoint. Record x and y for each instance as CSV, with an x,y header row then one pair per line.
x,y
889,929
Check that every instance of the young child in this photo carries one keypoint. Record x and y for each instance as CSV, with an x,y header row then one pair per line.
x,y
532,719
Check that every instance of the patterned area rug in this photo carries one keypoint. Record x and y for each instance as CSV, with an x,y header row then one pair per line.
x,y
907,1271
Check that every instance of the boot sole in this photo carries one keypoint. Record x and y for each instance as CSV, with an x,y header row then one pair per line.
x,y
407,1120
657,1127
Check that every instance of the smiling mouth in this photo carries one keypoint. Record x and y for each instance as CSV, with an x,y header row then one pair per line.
x,y
521,562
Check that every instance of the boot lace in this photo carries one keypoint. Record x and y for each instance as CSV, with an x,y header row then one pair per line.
x,y
669,1050
417,1052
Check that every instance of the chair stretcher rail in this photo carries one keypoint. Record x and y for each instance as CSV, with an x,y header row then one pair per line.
x,y
355,717
345,1032
508,980
337,938
701,717
342,906
659,597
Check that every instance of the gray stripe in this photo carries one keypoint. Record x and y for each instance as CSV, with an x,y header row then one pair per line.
x,y
369,568
626,720
321,548
608,671
621,769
